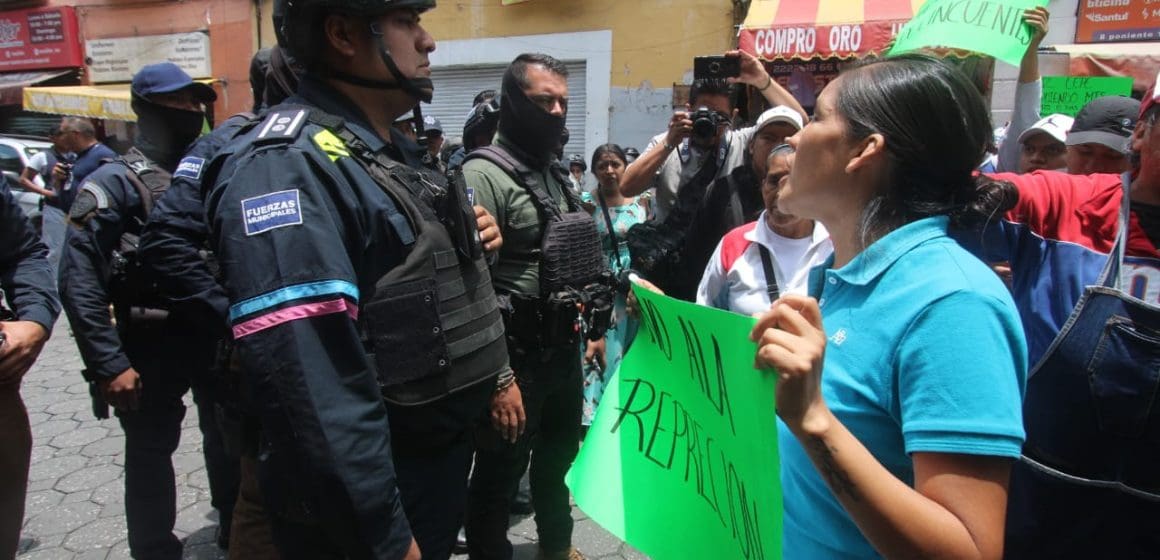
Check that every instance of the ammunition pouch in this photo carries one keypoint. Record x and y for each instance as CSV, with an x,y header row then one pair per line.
x,y
570,253
557,319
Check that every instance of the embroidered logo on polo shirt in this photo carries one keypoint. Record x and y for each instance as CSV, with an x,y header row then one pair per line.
x,y
190,168
839,337
271,211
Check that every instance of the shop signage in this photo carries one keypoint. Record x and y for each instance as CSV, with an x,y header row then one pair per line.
x,y
115,60
808,41
1115,21
39,39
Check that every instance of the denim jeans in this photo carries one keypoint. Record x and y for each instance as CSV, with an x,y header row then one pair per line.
x,y
53,225
1089,483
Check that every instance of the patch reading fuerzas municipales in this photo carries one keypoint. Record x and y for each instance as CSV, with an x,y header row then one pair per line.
x,y
271,211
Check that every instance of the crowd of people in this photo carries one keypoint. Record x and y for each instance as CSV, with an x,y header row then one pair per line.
x,y
385,328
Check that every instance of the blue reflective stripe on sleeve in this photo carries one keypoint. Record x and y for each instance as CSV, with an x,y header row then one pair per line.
x,y
290,293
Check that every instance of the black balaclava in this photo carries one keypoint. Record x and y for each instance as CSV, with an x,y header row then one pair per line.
x,y
533,130
164,133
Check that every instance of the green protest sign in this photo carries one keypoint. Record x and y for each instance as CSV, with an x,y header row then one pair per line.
x,y
993,27
681,459
1068,94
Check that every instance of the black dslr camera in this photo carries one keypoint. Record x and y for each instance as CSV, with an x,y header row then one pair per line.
x,y
706,121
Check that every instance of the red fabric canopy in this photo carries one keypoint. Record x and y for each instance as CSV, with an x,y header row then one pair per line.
x,y
803,29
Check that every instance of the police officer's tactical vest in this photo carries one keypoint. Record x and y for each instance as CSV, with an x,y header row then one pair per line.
x,y
575,296
433,322
130,286
570,253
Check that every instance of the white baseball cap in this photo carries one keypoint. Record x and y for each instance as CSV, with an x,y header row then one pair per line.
x,y
779,114
1055,125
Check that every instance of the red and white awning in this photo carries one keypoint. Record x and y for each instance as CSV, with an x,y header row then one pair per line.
x,y
803,29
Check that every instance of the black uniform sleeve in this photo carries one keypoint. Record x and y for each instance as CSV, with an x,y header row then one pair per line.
x,y
84,270
287,231
172,246
25,274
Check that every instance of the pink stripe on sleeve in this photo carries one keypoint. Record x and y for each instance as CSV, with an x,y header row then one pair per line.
x,y
303,311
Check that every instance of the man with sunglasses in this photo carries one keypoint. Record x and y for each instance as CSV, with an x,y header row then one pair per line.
x,y
677,155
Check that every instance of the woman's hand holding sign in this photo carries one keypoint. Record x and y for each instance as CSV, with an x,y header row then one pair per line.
x,y
791,340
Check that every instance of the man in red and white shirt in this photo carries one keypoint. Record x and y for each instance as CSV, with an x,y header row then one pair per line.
x,y
738,276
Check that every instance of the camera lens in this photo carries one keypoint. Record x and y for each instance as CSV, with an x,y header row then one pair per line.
x,y
704,127
715,68
705,122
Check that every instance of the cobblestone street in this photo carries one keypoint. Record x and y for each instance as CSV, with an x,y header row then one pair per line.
x,y
75,506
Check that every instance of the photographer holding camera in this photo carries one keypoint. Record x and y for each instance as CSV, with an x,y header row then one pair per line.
x,y
701,135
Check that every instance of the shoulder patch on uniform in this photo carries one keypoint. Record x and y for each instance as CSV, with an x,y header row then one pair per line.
x,y
331,144
190,168
271,211
282,124
98,193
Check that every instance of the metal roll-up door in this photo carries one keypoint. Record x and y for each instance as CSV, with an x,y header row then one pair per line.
x,y
456,86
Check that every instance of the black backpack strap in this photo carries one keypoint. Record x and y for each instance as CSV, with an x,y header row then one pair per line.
x,y
380,167
770,278
145,177
521,175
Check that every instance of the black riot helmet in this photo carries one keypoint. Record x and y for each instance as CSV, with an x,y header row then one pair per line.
x,y
297,25
577,159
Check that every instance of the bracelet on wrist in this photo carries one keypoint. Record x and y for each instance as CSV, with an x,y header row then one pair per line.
x,y
505,380
767,84
669,147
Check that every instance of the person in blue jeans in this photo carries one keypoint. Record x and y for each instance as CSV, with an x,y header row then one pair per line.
x,y
1084,254
900,377
53,219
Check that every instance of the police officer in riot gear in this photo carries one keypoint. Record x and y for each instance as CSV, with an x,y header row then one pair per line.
x,y
141,366
361,307
174,248
551,281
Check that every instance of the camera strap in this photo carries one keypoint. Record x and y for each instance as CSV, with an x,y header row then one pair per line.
x,y
685,151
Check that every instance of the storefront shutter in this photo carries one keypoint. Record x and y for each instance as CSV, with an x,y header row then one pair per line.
x,y
456,86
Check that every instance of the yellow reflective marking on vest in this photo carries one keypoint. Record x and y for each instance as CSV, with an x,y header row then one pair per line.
x,y
331,144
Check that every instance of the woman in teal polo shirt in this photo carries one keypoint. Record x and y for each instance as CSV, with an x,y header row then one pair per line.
x,y
901,379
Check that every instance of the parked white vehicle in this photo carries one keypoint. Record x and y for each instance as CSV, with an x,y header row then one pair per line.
x,y
15,152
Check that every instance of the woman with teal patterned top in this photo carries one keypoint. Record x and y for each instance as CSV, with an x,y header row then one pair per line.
x,y
614,215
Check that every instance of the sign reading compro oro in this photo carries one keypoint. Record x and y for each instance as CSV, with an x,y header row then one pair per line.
x,y
681,460
115,60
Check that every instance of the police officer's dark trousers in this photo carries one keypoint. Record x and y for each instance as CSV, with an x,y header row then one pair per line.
x,y
552,388
152,433
15,453
432,446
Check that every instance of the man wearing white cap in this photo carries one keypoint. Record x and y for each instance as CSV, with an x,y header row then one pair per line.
x,y
674,158
733,200
1043,145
